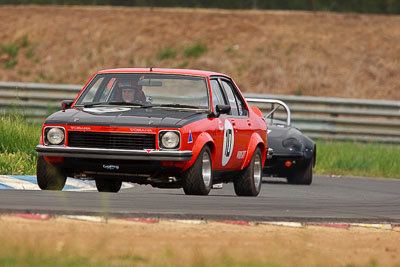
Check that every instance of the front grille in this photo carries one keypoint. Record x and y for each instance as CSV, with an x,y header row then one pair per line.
x,y
112,140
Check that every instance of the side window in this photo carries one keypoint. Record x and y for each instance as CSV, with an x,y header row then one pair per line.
x,y
241,107
107,89
218,98
237,105
89,97
231,98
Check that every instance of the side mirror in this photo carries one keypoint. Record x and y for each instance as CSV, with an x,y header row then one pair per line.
x,y
66,104
223,109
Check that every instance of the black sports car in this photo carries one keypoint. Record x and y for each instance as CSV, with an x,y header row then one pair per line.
x,y
291,154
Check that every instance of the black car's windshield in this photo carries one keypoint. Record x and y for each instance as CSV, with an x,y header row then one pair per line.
x,y
146,90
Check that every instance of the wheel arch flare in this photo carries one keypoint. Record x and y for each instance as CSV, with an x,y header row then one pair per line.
x,y
255,141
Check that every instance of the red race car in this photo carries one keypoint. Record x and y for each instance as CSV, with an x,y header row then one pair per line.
x,y
169,128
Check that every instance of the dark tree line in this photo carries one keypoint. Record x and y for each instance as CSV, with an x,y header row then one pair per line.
x,y
358,6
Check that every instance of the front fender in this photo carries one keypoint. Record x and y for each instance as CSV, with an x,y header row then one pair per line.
x,y
255,140
201,140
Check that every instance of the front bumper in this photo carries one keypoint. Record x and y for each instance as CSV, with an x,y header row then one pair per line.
x,y
118,154
275,165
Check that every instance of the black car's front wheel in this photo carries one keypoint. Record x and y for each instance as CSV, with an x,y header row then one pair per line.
x,y
49,177
248,183
198,179
108,185
303,175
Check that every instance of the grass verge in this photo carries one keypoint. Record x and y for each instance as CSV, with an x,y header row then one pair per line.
x,y
17,145
358,159
19,138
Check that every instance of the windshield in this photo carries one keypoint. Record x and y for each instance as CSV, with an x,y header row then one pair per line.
x,y
146,90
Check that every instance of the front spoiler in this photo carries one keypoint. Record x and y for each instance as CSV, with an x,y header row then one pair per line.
x,y
123,154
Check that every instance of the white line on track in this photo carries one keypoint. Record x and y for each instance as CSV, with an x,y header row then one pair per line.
x,y
17,183
29,183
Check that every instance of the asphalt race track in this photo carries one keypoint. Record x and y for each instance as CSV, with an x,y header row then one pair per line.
x,y
327,199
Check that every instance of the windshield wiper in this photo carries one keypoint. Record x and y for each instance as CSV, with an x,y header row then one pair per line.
x,y
93,104
178,106
128,104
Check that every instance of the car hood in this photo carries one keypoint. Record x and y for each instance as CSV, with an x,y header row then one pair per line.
x,y
278,133
125,117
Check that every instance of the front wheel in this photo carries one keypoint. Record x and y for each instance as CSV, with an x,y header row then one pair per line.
x,y
303,175
108,185
49,177
248,183
198,180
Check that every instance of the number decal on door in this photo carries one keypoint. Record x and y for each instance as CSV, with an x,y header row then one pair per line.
x,y
229,140
228,136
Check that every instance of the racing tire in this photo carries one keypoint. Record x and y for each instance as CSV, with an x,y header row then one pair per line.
x,y
49,177
109,186
302,176
198,179
248,183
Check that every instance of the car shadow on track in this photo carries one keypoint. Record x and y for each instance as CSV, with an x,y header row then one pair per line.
x,y
274,180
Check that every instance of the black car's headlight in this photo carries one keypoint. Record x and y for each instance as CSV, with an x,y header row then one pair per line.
x,y
292,144
54,135
169,139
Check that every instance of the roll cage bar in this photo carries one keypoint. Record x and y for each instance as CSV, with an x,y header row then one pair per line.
x,y
274,108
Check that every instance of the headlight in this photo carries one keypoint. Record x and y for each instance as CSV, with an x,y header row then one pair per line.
x,y
54,136
292,144
169,139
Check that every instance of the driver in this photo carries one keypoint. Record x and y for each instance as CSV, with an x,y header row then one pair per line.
x,y
131,92
128,94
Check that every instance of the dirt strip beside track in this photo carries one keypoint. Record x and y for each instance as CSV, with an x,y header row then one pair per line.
x,y
188,242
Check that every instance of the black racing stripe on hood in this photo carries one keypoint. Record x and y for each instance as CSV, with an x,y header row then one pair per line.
x,y
127,117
